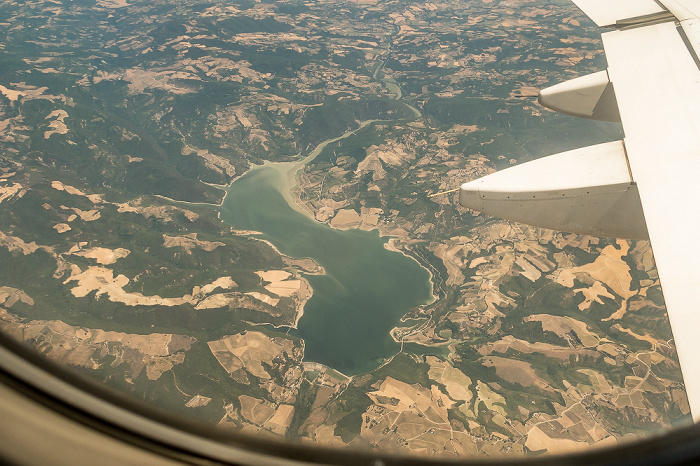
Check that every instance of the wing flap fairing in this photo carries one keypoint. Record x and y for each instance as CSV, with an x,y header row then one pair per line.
x,y
587,191
591,96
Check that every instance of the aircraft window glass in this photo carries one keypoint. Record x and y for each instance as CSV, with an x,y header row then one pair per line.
x,y
242,212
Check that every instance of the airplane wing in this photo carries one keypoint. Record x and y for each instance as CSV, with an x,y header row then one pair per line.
x,y
657,85
643,186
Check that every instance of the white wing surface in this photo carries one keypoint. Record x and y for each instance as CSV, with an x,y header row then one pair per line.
x,y
608,13
657,86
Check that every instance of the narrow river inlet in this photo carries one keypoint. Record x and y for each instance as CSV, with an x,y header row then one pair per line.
x,y
366,289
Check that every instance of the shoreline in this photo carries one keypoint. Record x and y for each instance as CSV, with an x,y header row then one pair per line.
x,y
389,245
309,291
289,172
312,366
203,204
301,304
290,180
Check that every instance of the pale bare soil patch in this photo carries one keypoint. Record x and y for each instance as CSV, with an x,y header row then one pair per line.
x,y
112,3
104,256
11,94
279,283
101,280
197,401
214,162
563,325
94,198
13,243
29,92
218,300
189,242
285,288
455,382
367,219
85,215
223,282
84,347
325,435
155,344
273,275
529,271
62,227
538,440
9,296
552,351
593,294
255,410
646,337
7,192
280,421
492,400
248,350
514,371
525,91
165,212
237,300
139,80
267,299
411,415
608,269
345,218
57,124
5,172
263,414
464,129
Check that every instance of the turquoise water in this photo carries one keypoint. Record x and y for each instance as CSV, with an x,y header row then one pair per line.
x,y
366,288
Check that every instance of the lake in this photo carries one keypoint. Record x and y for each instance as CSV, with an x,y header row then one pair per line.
x,y
366,289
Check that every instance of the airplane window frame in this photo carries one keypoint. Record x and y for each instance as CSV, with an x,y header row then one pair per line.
x,y
177,438
119,415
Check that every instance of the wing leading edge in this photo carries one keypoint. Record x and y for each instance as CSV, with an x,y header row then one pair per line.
x,y
652,85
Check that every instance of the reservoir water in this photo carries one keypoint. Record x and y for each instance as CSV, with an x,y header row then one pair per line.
x,y
366,289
